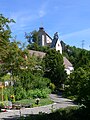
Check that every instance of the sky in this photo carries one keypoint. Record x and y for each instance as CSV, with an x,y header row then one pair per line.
x,y
70,18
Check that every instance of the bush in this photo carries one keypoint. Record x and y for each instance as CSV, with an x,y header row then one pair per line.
x,y
8,92
40,82
20,93
79,86
1,105
40,93
52,86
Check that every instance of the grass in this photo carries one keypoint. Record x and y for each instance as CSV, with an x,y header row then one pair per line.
x,y
42,102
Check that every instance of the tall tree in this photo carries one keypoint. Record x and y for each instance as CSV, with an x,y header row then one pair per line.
x,y
13,60
83,59
5,35
32,37
79,85
54,68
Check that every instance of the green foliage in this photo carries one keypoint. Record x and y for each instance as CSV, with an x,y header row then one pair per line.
x,y
31,101
83,59
52,87
8,92
13,60
5,32
30,81
79,86
38,93
54,68
30,85
1,105
5,35
20,93
5,77
78,57
32,37
36,47
40,82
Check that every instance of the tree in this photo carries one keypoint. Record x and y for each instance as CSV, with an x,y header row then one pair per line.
x,y
79,85
78,57
83,59
14,59
32,37
54,68
5,35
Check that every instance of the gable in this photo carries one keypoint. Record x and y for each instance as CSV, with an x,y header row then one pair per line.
x,y
44,38
58,46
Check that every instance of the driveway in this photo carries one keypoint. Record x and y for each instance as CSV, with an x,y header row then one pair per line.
x,y
59,102
59,99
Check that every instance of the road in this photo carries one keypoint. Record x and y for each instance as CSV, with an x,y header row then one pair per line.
x,y
59,102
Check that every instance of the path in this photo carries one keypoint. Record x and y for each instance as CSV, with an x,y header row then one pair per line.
x,y
59,102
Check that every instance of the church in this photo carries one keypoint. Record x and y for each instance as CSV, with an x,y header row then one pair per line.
x,y
45,40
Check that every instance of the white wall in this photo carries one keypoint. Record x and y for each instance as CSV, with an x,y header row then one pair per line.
x,y
58,46
48,40
43,39
67,71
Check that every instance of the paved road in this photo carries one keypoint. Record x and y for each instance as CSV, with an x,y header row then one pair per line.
x,y
59,102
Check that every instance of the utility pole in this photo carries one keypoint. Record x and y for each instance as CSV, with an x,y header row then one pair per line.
x,y
83,43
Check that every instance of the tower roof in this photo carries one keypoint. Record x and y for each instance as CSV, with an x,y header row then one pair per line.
x,y
55,39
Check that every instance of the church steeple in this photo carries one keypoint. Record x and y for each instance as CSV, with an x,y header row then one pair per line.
x,y
56,43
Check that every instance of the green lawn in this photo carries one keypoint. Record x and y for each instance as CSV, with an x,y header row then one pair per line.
x,y
31,101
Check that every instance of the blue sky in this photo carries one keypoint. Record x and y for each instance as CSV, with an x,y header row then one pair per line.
x,y
70,18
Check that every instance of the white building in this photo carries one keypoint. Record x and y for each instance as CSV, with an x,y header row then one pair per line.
x,y
46,40
56,43
43,38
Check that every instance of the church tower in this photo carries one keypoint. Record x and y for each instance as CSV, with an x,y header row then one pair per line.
x,y
43,38
56,43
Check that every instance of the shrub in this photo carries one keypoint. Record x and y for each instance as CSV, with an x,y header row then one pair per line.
x,y
8,92
40,82
52,86
20,93
40,93
1,105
